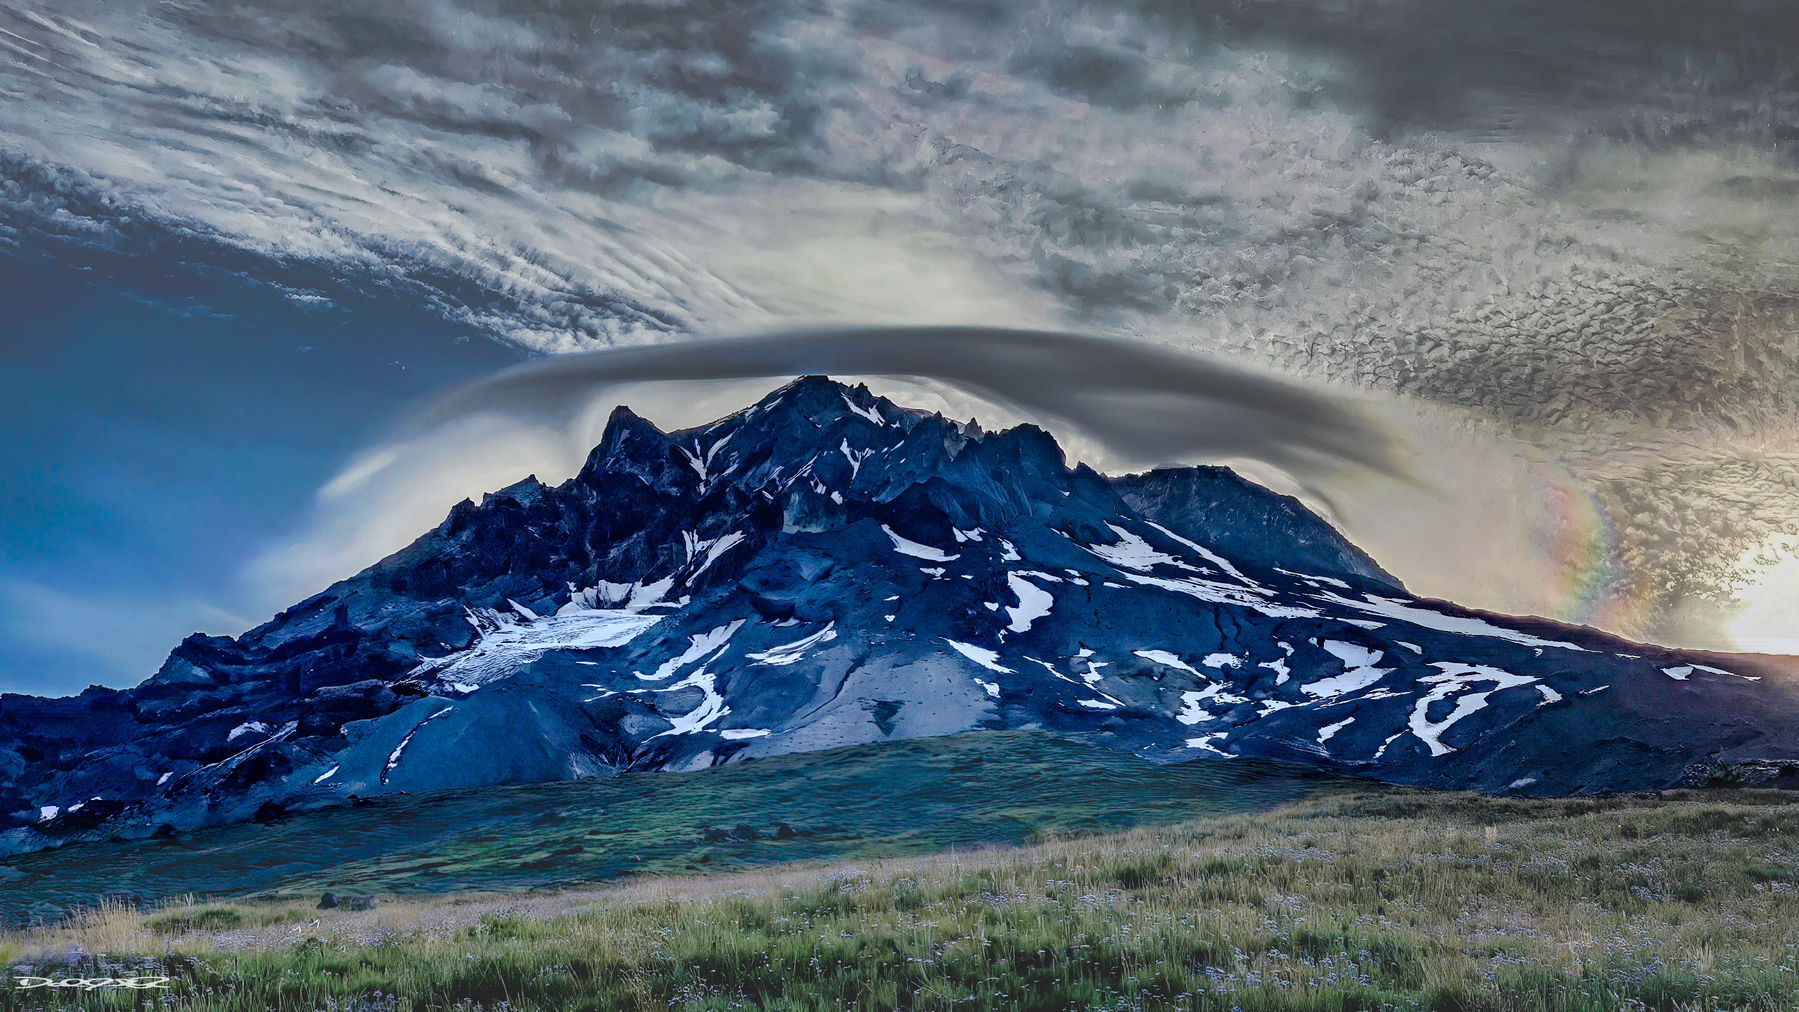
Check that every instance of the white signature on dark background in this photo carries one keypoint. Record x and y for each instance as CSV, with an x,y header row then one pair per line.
x,y
91,983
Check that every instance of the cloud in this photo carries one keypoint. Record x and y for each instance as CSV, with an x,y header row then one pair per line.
x,y
1144,404
1572,225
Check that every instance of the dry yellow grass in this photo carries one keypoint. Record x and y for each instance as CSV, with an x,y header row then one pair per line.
x,y
1392,899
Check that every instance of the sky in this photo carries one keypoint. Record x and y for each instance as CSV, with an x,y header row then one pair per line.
x,y
157,438
1551,244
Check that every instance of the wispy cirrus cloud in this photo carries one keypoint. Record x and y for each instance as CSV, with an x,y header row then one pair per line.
x,y
1567,225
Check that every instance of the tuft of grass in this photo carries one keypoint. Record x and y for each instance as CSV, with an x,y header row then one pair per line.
x,y
203,919
1388,899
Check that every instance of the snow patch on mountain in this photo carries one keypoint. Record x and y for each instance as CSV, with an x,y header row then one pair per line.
x,y
699,646
1314,580
1167,659
1359,671
855,457
1279,665
1205,553
906,546
508,641
1033,602
1192,712
1205,741
1328,731
702,463
988,659
712,547
1132,552
1451,678
1462,625
636,596
871,413
247,727
792,653
1223,593
393,758
711,708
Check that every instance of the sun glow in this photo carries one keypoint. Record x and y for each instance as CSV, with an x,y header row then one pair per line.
x,y
1769,623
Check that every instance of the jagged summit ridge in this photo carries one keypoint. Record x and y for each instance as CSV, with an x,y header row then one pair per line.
x,y
827,568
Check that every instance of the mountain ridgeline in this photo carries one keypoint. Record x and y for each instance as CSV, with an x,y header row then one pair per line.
x,y
827,568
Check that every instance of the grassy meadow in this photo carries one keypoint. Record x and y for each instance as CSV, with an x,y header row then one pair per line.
x,y
1350,899
891,799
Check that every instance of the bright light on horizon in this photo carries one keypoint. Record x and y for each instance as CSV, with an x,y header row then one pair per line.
x,y
1770,623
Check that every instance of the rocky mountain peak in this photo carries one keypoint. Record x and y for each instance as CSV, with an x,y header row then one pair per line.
x,y
826,568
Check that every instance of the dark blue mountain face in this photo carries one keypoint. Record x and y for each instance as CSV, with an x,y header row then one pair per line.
x,y
1246,522
826,568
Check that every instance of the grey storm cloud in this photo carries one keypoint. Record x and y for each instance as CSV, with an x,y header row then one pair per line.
x,y
1143,404
1572,222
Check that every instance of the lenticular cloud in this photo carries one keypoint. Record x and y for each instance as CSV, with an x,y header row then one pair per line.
x,y
1144,404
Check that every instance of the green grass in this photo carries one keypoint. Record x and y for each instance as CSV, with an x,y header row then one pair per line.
x,y
1349,900
906,797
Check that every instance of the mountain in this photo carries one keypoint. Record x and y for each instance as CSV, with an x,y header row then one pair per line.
x,y
827,568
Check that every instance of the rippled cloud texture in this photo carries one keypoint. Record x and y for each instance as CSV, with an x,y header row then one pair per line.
x,y
1568,228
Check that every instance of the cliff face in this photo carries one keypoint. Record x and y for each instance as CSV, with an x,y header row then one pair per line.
x,y
826,568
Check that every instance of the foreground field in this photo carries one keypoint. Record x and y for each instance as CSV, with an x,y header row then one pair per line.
x,y
1374,899
892,799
